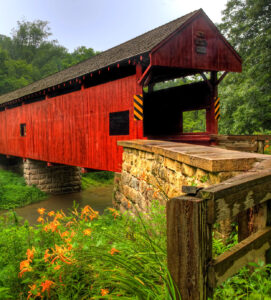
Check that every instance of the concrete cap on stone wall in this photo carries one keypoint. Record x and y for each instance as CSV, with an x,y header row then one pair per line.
x,y
207,158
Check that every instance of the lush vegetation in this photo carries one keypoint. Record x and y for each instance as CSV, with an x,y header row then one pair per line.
x,y
246,105
94,179
28,55
87,256
15,193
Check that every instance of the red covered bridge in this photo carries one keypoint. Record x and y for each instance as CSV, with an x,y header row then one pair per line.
x,y
76,116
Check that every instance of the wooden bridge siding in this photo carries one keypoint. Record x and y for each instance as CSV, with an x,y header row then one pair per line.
x,y
3,136
72,129
219,55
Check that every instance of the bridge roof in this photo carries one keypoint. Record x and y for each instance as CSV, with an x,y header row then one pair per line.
x,y
135,47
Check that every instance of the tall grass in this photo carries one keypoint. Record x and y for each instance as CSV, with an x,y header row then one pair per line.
x,y
15,193
94,179
87,256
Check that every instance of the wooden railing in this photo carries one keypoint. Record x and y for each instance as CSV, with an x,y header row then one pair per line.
x,y
190,222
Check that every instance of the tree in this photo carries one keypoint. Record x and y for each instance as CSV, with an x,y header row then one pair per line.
x,y
28,55
246,97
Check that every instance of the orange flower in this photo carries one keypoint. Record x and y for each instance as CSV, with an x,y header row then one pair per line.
x,y
113,251
32,288
51,213
46,286
58,216
69,223
30,253
87,211
68,240
41,211
61,253
104,292
57,267
114,212
46,255
87,232
24,267
40,219
64,234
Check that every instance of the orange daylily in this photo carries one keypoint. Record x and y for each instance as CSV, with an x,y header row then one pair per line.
x,y
51,213
46,286
64,234
40,219
87,232
114,212
30,253
58,216
24,267
61,253
104,292
41,211
87,211
46,255
113,251
32,288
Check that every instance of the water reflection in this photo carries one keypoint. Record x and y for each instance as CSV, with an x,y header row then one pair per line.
x,y
98,198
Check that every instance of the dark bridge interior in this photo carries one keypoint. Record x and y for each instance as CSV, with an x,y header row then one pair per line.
x,y
163,110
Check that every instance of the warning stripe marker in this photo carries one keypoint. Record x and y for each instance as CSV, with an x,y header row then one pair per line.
x,y
138,107
217,108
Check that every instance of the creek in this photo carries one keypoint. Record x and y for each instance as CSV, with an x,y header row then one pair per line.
x,y
97,197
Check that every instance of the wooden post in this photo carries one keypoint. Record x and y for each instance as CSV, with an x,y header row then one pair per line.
x,y
189,246
211,122
138,125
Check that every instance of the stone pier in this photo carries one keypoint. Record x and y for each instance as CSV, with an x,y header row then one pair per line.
x,y
56,179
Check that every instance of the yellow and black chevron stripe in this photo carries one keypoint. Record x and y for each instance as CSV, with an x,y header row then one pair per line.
x,y
138,107
217,108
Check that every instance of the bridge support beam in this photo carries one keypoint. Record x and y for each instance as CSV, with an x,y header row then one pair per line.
x,y
56,179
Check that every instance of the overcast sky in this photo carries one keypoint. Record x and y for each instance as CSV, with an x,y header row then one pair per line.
x,y
101,24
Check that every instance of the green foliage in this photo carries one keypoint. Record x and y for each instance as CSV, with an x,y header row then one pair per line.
x,y
246,105
194,121
88,255
28,55
247,284
15,193
93,179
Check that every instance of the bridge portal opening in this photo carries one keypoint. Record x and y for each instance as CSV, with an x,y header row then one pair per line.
x,y
176,111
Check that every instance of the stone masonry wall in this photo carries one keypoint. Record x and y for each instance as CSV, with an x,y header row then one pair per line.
x,y
55,179
146,176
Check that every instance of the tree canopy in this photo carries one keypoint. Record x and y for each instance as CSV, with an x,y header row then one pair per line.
x,y
246,97
28,55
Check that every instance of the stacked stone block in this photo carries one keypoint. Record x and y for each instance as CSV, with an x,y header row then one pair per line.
x,y
146,176
56,179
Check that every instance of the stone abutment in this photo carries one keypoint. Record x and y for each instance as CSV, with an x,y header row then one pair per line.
x,y
159,169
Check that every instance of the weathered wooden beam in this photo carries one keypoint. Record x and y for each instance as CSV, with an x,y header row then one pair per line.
x,y
189,246
226,200
230,262
191,190
206,80
221,77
